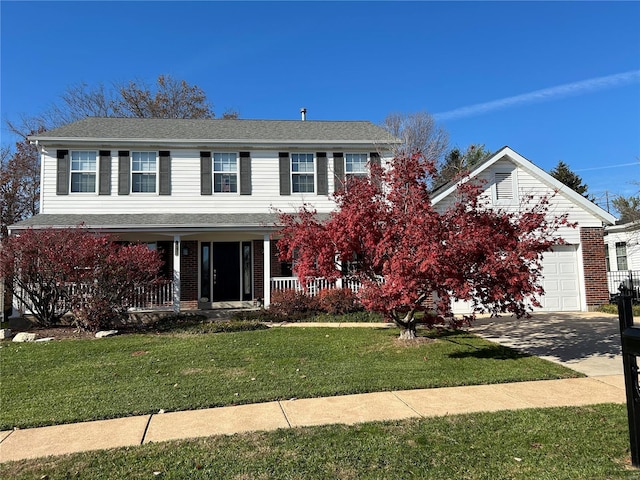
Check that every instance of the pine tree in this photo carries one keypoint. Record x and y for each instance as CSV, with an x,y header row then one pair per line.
x,y
564,174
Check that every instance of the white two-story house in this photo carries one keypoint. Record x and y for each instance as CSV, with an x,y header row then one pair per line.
x,y
203,192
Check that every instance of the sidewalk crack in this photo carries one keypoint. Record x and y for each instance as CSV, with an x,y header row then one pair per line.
x,y
408,406
146,428
10,433
284,413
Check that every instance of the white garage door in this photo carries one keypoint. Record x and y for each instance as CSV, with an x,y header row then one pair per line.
x,y
561,284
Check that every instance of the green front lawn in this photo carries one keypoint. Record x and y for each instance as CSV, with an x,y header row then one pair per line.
x,y
543,444
78,380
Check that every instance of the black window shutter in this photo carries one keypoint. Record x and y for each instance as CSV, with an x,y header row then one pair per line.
x,y
285,174
375,160
245,173
206,184
124,173
338,171
104,178
63,172
323,176
165,173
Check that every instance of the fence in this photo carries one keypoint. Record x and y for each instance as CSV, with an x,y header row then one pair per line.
x,y
157,296
314,286
628,280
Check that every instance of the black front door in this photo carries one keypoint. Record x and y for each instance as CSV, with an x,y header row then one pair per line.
x,y
226,271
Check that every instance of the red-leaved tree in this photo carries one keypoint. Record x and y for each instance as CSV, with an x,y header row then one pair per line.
x,y
55,271
410,257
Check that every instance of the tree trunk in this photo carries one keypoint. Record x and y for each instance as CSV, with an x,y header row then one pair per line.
x,y
408,333
407,326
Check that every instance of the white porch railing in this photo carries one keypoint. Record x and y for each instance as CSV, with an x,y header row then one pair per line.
x,y
314,286
157,296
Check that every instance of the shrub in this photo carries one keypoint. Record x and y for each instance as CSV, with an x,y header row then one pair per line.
x,y
339,301
292,305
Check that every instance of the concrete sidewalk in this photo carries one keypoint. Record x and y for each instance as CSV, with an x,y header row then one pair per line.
x,y
348,409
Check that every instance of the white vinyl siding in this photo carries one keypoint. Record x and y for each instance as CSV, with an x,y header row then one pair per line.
x,y
144,167
185,192
83,171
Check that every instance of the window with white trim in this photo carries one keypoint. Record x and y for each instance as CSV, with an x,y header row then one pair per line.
x,y
621,256
302,173
355,165
225,172
143,172
83,171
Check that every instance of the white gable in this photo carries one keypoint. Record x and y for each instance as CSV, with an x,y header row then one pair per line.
x,y
510,179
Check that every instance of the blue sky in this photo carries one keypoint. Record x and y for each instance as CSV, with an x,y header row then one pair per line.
x,y
554,81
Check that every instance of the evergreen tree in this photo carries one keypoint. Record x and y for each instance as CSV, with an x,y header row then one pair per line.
x,y
564,174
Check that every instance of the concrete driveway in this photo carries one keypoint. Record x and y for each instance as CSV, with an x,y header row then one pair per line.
x,y
588,342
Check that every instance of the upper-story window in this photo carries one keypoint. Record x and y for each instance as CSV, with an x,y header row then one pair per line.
x,y
302,173
355,165
225,172
83,171
143,172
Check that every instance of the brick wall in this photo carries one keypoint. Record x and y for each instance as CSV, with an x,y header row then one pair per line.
x,y
189,276
595,269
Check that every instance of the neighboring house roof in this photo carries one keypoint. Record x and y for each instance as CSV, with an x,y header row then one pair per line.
x,y
624,227
180,132
511,155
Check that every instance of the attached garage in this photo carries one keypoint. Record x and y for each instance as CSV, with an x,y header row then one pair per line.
x,y
561,280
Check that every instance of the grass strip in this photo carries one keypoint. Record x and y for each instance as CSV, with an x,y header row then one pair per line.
x,y
547,444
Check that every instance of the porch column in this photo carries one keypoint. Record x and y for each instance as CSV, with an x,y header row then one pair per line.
x,y
176,273
267,269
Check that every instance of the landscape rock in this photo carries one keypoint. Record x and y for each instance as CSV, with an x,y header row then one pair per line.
x,y
46,339
5,333
25,337
106,333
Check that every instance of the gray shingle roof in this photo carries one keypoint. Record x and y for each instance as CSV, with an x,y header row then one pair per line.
x,y
156,221
217,130
146,221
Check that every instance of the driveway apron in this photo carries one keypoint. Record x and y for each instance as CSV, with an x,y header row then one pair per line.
x,y
587,342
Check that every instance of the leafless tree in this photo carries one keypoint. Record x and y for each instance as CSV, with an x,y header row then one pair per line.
x,y
417,132
19,184
170,98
